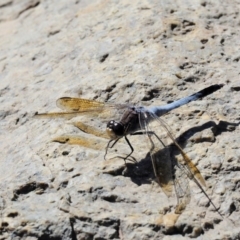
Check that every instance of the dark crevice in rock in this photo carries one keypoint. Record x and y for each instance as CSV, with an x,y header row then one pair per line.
x,y
84,219
5,224
184,230
49,237
110,198
109,222
53,33
187,23
191,79
27,188
222,41
65,153
103,57
154,227
172,231
232,208
107,92
17,120
76,175
29,7
96,190
63,184
73,233
151,94
7,4
129,85
13,214
237,88
218,16
185,65
182,28
22,120
208,225
203,41
110,88
173,26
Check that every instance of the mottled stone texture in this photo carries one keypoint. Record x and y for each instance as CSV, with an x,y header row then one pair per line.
x,y
148,52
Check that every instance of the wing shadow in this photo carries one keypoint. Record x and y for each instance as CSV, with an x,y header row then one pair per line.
x,y
217,129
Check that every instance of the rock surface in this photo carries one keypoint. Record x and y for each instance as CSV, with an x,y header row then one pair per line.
x,y
145,52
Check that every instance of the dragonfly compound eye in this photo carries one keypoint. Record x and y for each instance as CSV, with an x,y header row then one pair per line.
x,y
115,129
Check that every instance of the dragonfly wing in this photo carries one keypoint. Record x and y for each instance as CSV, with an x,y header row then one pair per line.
x,y
160,156
167,169
162,168
66,115
80,106
170,173
182,171
96,144
91,130
193,171
182,189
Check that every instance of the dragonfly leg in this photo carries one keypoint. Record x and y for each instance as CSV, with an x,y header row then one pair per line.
x,y
132,149
148,132
108,146
124,158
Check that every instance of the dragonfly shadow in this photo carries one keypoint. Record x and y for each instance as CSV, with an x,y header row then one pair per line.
x,y
164,169
142,172
217,129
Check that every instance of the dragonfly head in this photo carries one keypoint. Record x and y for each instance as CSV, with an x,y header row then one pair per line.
x,y
115,129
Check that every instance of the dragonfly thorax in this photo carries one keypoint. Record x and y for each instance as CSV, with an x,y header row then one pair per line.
x,y
115,129
128,124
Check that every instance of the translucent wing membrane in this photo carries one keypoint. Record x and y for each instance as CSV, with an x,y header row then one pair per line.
x,y
95,144
91,130
161,161
180,171
191,168
169,173
181,185
78,106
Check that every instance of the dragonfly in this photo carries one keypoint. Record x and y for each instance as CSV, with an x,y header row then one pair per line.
x,y
139,120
